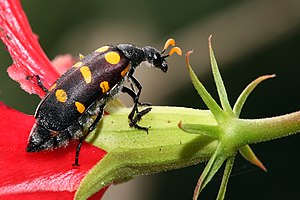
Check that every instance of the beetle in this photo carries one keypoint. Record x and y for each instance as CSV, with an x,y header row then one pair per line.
x,y
75,103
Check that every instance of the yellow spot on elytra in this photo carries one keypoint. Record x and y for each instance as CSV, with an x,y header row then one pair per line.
x,y
112,57
102,49
78,64
104,86
80,107
124,72
61,95
52,87
86,73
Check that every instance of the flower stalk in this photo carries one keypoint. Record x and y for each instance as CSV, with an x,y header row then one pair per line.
x,y
262,130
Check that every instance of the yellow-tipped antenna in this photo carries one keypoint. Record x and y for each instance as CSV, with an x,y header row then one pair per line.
x,y
169,42
175,50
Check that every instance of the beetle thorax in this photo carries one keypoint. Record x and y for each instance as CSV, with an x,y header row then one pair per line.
x,y
135,54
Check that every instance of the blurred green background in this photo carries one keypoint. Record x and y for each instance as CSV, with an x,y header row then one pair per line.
x,y
250,38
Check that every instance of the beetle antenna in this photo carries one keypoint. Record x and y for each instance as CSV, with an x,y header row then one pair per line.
x,y
175,50
169,42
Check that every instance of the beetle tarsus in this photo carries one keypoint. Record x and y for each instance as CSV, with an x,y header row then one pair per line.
x,y
135,119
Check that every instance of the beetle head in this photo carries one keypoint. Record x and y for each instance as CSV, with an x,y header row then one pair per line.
x,y
155,57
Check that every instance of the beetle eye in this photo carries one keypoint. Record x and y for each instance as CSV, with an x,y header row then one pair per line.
x,y
164,66
157,59
160,62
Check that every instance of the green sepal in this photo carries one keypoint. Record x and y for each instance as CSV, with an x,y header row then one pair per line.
x,y
225,179
212,131
204,94
249,155
246,92
211,168
218,80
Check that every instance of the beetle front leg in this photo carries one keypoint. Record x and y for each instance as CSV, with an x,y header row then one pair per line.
x,y
39,82
132,94
135,115
137,118
135,83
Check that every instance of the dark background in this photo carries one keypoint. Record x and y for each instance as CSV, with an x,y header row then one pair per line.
x,y
250,39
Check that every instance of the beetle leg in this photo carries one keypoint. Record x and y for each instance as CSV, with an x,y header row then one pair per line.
x,y
137,118
138,85
132,94
97,120
132,117
77,152
39,82
135,95
90,129
140,103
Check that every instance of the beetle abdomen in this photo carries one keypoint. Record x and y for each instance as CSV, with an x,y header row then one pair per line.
x,y
42,138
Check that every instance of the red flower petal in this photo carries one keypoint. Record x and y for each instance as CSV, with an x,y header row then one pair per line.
x,y
28,57
50,196
62,63
44,172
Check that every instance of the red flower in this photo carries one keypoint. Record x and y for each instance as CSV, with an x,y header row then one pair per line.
x,y
47,175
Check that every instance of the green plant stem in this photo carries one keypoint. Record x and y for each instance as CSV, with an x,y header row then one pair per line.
x,y
260,130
